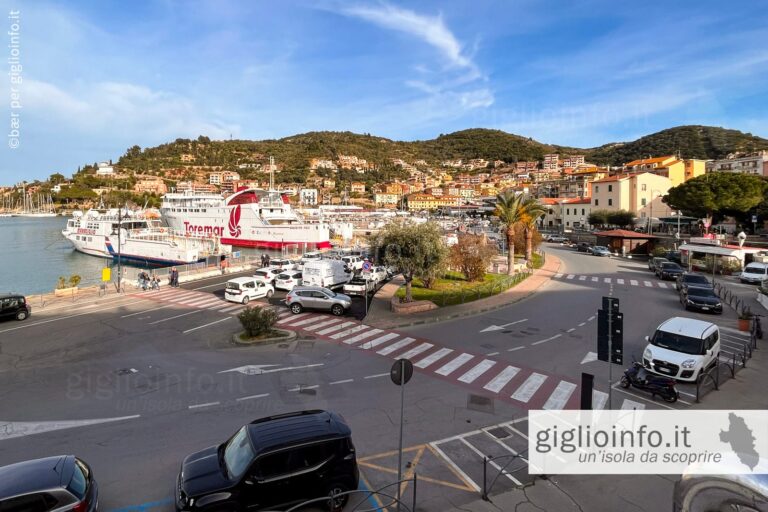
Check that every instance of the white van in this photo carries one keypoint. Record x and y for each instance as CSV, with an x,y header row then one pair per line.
x,y
682,348
245,289
355,263
754,273
325,273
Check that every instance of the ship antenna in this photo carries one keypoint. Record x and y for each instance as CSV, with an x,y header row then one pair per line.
x,y
271,173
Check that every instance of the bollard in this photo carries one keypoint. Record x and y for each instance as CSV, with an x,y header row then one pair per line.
x,y
485,472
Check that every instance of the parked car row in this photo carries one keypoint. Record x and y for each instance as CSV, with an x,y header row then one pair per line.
x,y
271,463
695,291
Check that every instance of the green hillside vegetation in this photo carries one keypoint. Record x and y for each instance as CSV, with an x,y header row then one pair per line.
x,y
704,142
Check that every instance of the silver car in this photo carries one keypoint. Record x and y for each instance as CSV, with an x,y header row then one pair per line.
x,y
316,297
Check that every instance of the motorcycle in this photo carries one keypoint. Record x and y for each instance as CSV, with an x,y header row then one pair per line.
x,y
640,378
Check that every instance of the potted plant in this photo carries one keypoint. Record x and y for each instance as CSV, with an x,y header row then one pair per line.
x,y
65,287
745,318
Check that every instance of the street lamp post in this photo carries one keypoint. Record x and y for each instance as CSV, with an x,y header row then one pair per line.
x,y
742,237
562,217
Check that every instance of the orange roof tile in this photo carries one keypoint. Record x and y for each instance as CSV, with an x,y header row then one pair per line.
x,y
655,160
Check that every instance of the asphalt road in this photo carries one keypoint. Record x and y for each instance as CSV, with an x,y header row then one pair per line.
x,y
161,368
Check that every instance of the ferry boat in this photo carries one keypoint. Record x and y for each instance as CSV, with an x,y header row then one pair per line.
x,y
248,218
134,237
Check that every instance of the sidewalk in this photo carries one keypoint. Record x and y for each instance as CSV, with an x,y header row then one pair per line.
x,y
380,316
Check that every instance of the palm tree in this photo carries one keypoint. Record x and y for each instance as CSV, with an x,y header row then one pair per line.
x,y
532,211
510,212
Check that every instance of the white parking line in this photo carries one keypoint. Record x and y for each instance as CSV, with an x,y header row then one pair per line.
x,y
515,348
492,354
454,466
571,329
502,379
208,404
376,376
470,376
492,463
546,340
454,364
590,318
207,325
177,316
345,381
582,324
433,358
302,388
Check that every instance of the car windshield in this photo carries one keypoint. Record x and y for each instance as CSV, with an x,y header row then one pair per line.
x,y
754,270
696,279
677,342
701,292
259,273
669,266
283,276
238,454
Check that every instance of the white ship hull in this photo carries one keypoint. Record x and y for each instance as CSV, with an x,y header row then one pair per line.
x,y
267,222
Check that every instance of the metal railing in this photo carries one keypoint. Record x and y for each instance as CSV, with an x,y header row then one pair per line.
x,y
500,471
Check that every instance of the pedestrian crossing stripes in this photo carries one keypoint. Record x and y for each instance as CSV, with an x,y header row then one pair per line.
x,y
191,299
614,280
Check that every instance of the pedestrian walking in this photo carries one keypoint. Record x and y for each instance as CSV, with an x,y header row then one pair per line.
x,y
174,277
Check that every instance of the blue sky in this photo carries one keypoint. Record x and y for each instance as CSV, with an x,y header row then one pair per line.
x,y
100,76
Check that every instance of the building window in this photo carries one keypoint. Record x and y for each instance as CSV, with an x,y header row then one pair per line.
x,y
610,202
597,188
643,201
610,188
597,202
568,211
582,211
643,187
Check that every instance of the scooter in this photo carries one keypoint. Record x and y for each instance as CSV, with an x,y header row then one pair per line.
x,y
640,378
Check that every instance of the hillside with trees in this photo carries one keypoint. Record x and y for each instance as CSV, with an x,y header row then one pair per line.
x,y
703,142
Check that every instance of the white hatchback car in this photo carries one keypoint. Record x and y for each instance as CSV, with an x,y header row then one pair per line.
x,y
245,289
287,280
682,348
267,274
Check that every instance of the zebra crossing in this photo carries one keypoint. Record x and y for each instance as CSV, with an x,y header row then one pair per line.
x,y
515,384
640,282
191,298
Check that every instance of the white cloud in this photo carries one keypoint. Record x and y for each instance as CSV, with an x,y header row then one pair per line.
x,y
429,29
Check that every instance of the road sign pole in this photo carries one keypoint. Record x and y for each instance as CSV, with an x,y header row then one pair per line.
x,y
610,359
400,449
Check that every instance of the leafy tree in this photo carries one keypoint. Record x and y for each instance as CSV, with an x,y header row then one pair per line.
x,y
598,217
415,250
621,218
511,211
471,256
533,211
718,193
56,178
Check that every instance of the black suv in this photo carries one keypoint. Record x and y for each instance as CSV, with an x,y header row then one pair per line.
x,y
14,306
62,483
273,462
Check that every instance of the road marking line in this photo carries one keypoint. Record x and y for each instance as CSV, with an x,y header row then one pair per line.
x,y
628,405
252,397
599,399
335,328
633,282
515,348
620,281
560,395
146,311
591,318
492,354
607,280
454,364
528,388
208,404
558,275
189,300
582,324
479,369
361,337
492,463
232,308
546,340
433,357
345,381
298,317
570,276
302,388
662,285
582,278
199,302
207,325
304,321
595,279
687,394
347,332
648,284
452,465
177,316
617,388
378,341
502,379
323,324
571,329
396,346
419,349
376,376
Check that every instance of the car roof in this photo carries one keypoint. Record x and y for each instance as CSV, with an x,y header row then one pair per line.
x,y
239,280
10,295
285,430
305,288
757,264
34,475
687,326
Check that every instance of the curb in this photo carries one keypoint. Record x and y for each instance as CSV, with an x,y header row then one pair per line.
x,y
472,312
288,336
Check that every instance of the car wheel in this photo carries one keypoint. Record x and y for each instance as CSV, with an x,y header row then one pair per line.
x,y
336,503
337,310
270,293
624,382
296,308
21,315
245,300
